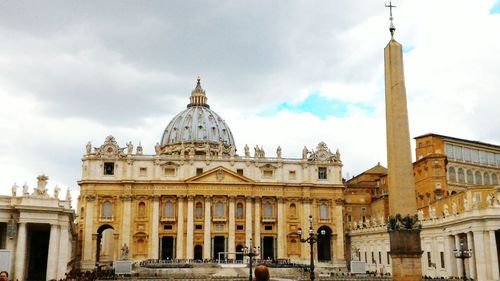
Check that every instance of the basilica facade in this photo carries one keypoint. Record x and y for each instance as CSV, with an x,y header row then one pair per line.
x,y
197,199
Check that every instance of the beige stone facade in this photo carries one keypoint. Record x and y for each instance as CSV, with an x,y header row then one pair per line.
x,y
38,231
197,199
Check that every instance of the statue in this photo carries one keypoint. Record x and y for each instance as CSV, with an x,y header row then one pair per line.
x,y
25,189
305,152
490,199
14,190
88,148
42,182
256,153
420,215
56,192
262,152
475,202
207,149
68,196
454,210
247,151
221,149
124,250
337,155
446,212
182,149
466,204
355,224
130,147
139,150
278,152
232,151
432,213
157,148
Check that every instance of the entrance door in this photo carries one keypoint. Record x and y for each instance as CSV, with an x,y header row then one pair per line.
x,y
324,244
198,252
268,248
239,250
167,247
219,246
38,250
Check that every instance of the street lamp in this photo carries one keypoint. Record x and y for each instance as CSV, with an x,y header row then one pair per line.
x,y
463,254
251,252
311,240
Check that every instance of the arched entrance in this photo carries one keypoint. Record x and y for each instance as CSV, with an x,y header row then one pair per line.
x,y
198,252
239,250
104,248
324,244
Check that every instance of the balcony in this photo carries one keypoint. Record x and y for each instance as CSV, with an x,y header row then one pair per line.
x,y
268,219
106,219
168,219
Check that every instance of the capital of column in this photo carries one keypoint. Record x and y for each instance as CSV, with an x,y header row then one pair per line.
x,y
249,199
232,198
190,197
90,198
126,197
306,200
281,199
207,197
155,197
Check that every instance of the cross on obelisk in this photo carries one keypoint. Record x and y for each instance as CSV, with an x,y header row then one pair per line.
x,y
392,28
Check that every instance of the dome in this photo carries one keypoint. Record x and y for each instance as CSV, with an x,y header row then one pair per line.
x,y
197,125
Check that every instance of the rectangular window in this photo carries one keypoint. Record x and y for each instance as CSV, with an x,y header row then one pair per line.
x,y
349,218
449,151
239,172
167,227
268,227
457,151
291,175
441,255
169,172
373,257
322,173
497,157
483,158
143,172
388,258
198,227
467,156
475,155
380,257
365,257
268,174
491,158
429,260
109,168
239,227
199,171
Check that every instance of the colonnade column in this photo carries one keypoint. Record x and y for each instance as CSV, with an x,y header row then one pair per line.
x,y
256,240
248,221
449,257
281,228
479,251
207,235
231,241
53,252
125,231
155,240
304,224
88,231
64,249
339,253
458,263
180,228
493,256
190,225
472,260
21,252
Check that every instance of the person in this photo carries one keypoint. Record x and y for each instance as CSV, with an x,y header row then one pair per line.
x,y
261,273
4,276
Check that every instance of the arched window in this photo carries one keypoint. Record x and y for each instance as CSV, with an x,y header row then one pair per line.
x,y
199,210
219,209
168,210
323,211
452,176
470,177
268,210
486,178
107,209
479,178
293,210
142,209
461,175
239,211
494,179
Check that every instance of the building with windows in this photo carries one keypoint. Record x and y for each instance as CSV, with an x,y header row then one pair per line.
x,y
457,194
197,199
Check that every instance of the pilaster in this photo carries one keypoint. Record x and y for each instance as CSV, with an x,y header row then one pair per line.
x,y
281,228
248,220
88,258
257,204
180,228
154,239
190,226
231,226
207,239
125,229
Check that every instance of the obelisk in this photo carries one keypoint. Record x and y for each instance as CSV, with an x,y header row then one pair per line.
x,y
405,243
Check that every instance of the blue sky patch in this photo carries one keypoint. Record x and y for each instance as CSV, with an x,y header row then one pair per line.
x,y
319,106
496,8
407,49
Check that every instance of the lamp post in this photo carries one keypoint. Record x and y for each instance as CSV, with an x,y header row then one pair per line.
x,y
463,254
313,238
251,252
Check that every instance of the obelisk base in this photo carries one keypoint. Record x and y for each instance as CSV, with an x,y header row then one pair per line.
x,y
406,254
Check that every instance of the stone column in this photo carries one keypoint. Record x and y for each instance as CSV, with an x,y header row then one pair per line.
x,y
450,263
339,229
248,221
180,228
256,240
190,225
53,252
207,234
231,241
88,258
154,239
64,250
281,229
471,263
458,263
480,253
493,256
21,252
126,214
304,224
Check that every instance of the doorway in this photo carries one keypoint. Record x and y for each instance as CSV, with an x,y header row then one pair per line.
x,y
38,251
268,247
167,247
239,251
324,244
198,252
219,246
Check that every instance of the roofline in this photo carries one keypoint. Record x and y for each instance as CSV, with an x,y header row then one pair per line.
x,y
457,139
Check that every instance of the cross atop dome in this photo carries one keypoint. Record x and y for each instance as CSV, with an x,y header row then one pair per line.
x,y
198,97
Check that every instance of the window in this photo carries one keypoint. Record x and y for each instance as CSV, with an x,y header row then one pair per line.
x,y
479,178
486,178
198,227
291,175
373,257
199,210
322,173
267,174
483,158
109,168
470,177
168,210
491,158
169,172
167,227
293,210
239,211
239,227
239,172
219,209
494,179
349,218
142,209
441,255
452,176
366,259
467,156
268,227
449,151
497,158
143,172
380,257
475,155
388,258
461,175
107,209
199,171
268,210
323,211
429,260
457,151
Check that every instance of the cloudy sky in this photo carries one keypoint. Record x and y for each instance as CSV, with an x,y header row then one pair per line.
x,y
288,73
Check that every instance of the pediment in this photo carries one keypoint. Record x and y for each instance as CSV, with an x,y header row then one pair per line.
x,y
219,175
